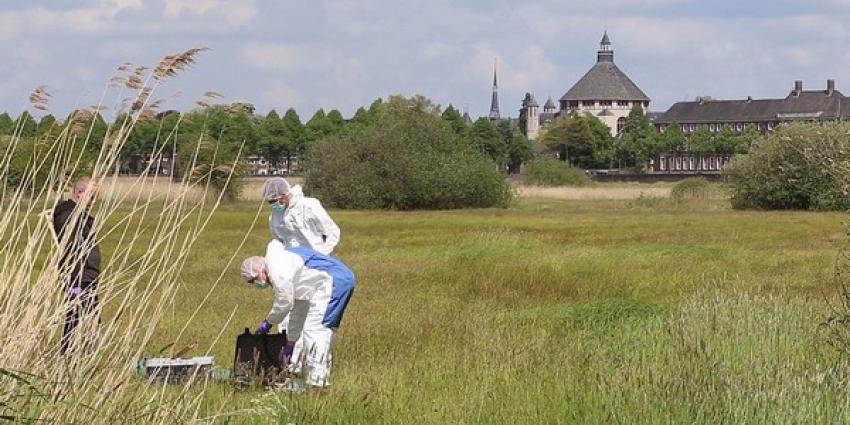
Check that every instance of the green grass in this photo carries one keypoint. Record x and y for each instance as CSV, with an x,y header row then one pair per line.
x,y
642,311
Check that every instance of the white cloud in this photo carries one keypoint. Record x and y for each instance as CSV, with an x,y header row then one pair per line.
x,y
272,56
280,95
234,13
519,72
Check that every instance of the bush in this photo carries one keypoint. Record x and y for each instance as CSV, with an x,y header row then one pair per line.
x,y
410,158
549,171
797,167
690,188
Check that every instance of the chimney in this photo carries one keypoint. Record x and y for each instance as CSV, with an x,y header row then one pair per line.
x,y
749,99
798,87
830,87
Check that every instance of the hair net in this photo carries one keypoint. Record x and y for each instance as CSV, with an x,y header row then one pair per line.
x,y
275,187
251,267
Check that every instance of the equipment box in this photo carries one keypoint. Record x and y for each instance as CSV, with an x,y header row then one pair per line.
x,y
257,358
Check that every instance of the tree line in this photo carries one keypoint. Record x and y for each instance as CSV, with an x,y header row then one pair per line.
x,y
228,130
586,142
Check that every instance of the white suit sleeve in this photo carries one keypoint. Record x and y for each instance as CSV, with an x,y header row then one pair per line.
x,y
282,266
326,227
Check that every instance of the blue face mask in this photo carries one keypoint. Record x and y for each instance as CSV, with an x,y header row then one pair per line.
x,y
277,207
260,284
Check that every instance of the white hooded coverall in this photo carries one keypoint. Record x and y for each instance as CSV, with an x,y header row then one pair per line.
x,y
314,289
305,223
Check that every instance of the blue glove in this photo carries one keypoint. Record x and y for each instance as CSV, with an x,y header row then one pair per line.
x,y
264,327
286,354
75,292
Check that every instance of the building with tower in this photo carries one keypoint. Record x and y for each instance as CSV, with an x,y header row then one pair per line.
x,y
604,91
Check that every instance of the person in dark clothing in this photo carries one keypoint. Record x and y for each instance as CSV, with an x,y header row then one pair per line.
x,y
79,266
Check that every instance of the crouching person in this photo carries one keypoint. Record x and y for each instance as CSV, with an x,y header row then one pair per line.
x,y
314,289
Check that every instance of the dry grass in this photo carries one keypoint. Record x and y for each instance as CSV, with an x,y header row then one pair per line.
x,y
94,382
616,192
162,189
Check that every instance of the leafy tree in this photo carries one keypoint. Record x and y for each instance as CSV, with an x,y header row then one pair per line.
x,y
603,143
641,138
274,140
410,159
484,138
337,122
361,117
724,141
318,127
453,117
523,114
375,107
518,147
746,139
573,137
296,134
673,139
210,162
701,142
46,125
27,125
6,124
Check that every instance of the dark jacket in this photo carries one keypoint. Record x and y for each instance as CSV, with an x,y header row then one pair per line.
x,y
82,255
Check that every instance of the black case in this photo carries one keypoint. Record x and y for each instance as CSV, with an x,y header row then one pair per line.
x,y
256,360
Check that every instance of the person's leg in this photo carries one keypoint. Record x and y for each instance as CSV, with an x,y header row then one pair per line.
x,y
72,317
317,340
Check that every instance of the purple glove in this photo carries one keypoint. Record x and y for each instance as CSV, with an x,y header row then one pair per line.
x,y
75,292
286,354
264,327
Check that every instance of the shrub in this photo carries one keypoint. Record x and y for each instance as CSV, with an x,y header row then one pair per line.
x,y
690,188
410,158
797,167
549,171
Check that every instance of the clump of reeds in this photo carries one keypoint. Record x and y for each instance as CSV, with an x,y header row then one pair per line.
x,y
95,381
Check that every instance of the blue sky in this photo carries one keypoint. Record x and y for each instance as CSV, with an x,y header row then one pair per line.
x,y
345,53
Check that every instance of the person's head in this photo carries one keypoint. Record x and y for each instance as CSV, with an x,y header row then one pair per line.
x,y
276,191
84,190
253,270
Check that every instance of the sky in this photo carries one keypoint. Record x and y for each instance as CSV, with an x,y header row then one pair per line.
x,y
342,54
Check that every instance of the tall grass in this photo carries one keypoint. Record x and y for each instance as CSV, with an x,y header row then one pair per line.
x,y
155,228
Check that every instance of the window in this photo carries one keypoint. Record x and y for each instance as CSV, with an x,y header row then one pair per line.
x,y
622,103
587,103
573,104
739,127
769,126
693,127
684,128
693,163
605,102
685,164
661,163
711,128
711,164
621,124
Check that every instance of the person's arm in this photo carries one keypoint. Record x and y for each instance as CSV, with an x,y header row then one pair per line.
x,y
282,267
327,228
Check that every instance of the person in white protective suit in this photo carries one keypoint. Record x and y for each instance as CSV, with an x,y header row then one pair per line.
x,y
297,220
314,289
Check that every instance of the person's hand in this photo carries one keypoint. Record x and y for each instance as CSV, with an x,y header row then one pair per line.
x,y
264,327
286,354
75,292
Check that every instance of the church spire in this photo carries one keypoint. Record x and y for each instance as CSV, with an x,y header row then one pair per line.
x,y
494,100
605,54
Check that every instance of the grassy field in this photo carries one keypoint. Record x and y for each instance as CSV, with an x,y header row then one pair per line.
x,y
553,311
